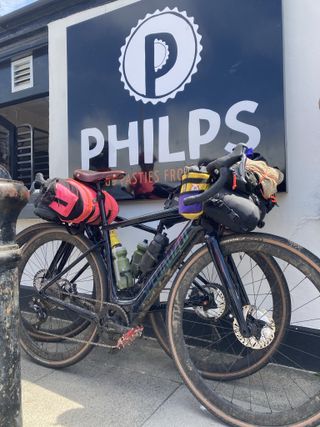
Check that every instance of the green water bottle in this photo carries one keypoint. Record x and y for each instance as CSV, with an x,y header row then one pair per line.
x,y
136,257
121,263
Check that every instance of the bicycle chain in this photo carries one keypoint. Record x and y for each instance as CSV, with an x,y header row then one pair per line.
x,y
108,306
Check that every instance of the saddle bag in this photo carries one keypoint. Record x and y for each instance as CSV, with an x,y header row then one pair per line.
x,y
71,201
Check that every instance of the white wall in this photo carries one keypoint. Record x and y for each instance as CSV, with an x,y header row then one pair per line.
x,y
299,214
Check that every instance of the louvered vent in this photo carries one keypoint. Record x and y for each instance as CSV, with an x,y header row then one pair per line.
x,y
22,74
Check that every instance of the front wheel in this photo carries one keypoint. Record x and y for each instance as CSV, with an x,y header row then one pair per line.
x,y
264,265
204,342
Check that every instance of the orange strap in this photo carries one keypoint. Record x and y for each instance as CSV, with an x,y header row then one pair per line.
x,y
86,198
234,182
273,199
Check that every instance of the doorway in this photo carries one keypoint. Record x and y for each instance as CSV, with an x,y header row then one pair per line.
x,y
24,135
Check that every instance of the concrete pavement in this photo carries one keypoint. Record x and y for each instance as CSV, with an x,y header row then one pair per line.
x,y
136,387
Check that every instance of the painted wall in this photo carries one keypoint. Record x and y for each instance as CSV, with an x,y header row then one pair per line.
x,y
40,79
298,218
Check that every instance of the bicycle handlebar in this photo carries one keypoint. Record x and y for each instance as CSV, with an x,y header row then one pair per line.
x,y
228,160
224,174
222,165
38,182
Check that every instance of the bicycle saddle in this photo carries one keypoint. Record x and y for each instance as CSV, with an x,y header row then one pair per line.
x,y
96,176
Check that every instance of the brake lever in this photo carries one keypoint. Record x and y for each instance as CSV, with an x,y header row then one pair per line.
x,y
242,168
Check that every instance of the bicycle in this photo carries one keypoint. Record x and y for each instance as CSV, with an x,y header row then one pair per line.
x,y
231,309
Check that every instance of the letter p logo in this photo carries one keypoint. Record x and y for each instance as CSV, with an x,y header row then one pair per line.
x,y
160,56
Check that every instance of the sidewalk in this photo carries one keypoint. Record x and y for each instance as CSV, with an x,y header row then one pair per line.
x,y
136,387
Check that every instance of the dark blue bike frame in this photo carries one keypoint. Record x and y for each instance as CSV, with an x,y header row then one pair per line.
x,y
154,284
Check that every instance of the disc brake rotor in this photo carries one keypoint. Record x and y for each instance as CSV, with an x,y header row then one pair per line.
x,y
267,332
61,289
219,298
38,279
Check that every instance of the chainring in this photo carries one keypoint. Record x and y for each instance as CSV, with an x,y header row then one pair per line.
x,y
118,315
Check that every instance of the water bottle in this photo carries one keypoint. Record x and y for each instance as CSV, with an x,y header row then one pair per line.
x,y
137,256
121,263
154,252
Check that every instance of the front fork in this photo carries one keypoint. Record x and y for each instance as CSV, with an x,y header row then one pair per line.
x,y
231,281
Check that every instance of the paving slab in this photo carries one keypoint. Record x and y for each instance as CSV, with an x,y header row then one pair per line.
x,y
140,387
181,410
144,356
125,389
33,372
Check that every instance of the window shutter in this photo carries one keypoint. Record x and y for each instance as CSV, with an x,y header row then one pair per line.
x,y
22,74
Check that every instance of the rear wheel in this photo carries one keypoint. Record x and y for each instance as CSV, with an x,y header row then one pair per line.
x,y
25,235
286,391
156,318
53,335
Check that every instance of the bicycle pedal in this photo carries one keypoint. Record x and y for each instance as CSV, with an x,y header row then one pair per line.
x,y
128,337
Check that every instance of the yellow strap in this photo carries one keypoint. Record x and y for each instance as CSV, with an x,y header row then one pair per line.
x,y
114,238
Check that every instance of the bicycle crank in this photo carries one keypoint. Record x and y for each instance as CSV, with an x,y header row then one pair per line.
x,y
115,327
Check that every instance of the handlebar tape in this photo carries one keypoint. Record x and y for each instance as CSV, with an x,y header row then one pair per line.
x,y
228,160
222,180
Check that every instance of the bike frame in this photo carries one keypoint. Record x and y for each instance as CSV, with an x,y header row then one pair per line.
x,y
141,304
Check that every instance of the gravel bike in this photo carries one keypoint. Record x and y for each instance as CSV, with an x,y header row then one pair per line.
x,y
242,313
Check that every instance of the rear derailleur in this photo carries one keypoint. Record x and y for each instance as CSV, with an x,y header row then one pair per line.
x,y
40,311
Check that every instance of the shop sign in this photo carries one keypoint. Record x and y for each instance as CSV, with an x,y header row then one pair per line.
x,y
160,84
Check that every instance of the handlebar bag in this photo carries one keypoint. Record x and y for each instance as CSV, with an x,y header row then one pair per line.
x,y
194,181
269,178
260,178
71,201
239,212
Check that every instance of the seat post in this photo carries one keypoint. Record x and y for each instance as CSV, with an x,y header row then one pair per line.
x,y
106,237
101,200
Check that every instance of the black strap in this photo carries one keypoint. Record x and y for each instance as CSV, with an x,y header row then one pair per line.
x,y
195,181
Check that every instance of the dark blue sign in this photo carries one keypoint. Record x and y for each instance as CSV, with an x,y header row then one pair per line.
x,y
161,84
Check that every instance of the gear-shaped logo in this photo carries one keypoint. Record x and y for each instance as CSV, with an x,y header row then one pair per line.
x,y
160,56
